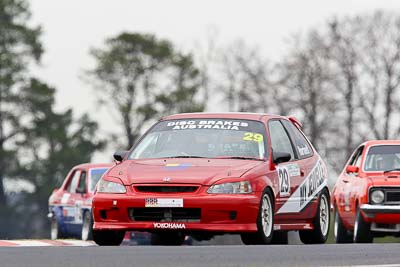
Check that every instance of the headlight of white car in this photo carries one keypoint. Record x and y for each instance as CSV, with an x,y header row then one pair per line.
x,y
243,187
105,186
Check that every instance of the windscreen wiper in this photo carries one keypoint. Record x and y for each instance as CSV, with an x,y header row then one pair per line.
x,y
236,157
392,170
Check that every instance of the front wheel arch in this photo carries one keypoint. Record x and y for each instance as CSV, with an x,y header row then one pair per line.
x,y
268,187
259,237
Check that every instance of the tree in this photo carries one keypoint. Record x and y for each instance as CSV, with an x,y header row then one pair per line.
x,y
53,143
132,73
179,96
206,56
344,79
380,79
344,60
306,77
246,84
19,46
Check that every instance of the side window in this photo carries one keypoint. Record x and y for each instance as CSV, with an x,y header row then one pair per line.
x,y
356,160
279,139
301,144
73,184
82,181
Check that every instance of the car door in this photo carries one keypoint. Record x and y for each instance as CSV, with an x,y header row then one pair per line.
x,y
306,162
73,200
289,174
349,185
77,198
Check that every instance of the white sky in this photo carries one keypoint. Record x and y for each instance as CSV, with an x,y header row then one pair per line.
x,y
72,27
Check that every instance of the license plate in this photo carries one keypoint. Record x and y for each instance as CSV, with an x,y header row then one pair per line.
x,y
164,202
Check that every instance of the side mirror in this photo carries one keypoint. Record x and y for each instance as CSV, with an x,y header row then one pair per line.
x,y
351,169
280,157
80,190
120,155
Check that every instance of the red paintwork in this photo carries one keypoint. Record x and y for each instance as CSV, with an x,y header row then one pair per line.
x,y
215,208
351,191
86,198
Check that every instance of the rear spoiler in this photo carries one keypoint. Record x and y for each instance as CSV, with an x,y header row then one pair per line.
x,y
295,121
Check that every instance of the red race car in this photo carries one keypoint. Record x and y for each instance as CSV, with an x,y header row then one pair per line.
x,y
70,206
204,174
366,196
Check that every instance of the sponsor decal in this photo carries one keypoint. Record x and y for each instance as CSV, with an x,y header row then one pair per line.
x,y
285,172
169,225
303,150
207,124
308,189
78,212
177,166
293,170
69,211
163,202
65,198
166,179
277,227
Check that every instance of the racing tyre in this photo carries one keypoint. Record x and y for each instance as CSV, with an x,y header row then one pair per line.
x,y
55,232
362,230
319,234
340,232
167,239
87,227
265,222
108,238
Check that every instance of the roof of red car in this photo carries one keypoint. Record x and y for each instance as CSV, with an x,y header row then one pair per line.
x,y
222,115
381,142
94,165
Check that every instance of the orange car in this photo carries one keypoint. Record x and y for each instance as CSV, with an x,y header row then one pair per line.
x,y
366,196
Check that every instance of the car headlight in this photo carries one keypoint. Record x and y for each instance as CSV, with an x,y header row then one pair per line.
x,y
105,186
231,188
377,196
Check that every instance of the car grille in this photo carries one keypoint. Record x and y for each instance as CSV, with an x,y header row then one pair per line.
x,y
166,189
165,214
392,197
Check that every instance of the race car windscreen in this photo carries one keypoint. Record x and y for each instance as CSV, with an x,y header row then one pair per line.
x,y
95,175
382,158
205,138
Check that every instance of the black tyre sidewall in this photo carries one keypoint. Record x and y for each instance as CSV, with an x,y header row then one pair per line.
x,y
316,236
363,234
55,223
87,218
342,235
262,238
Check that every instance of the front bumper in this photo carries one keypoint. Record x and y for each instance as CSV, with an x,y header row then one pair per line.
x,y
380,209
219,213
387,214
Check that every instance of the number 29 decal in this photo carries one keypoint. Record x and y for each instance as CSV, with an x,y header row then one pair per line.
x,y
256,137
284,181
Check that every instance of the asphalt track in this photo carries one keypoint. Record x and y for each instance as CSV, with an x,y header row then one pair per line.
x,y
252,256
